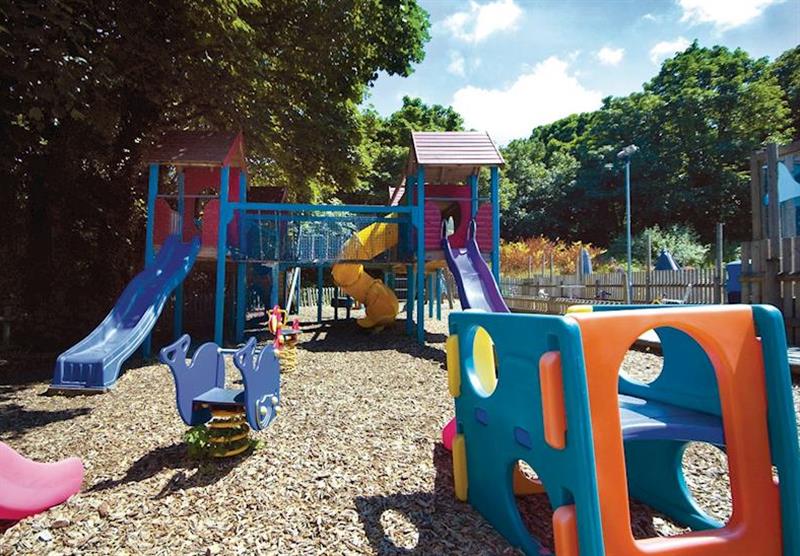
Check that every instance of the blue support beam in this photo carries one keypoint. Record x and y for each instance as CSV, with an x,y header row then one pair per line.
x,y
177,328
438,293
152,193
431,276
222,248
496,223
420,253
294,207
149,249
410,277
241,268
320,284
473,192
274,289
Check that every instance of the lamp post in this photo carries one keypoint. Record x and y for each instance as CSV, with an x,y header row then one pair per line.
x,y
626,154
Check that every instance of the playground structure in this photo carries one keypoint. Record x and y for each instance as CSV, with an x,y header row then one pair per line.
x,y
203,399
770,271
593,436
198,210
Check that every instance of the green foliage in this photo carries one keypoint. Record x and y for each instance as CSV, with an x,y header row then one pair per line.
x,y
696,124
787,72
197,441
681,241
87,84
385,144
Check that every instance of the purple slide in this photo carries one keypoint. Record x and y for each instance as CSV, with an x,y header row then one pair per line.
x,y
94,362
476,286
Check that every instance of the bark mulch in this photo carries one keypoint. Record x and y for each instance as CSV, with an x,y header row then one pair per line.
x,y
353,463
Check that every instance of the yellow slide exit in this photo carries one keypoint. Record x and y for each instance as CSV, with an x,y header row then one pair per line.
x,y
378,299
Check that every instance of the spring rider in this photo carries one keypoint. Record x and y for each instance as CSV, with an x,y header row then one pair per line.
x,y
229,413
286,338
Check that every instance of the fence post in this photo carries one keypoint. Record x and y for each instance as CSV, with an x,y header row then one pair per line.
x,y
719,277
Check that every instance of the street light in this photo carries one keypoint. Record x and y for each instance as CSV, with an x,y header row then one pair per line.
x,y
626,154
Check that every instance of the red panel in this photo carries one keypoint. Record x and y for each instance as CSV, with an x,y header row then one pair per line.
x,y
484,227
162,223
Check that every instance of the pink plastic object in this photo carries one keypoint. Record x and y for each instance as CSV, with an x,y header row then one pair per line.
x,y
28,487
448,433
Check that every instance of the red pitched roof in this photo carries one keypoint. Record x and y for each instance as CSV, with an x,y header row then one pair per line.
x,y
198,148
452,155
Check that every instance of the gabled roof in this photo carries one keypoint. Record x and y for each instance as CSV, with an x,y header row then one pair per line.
x,y
452,155
198,148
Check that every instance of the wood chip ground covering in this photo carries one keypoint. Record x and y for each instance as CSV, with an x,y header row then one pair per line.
x,y
352,465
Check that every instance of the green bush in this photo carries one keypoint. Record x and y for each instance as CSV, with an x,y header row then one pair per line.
x,y
682,241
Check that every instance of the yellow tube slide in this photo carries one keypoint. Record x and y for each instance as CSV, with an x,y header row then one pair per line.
x,y
378,299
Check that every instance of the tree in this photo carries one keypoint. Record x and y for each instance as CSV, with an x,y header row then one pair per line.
x,y
695,123
86,85
787,70
385,144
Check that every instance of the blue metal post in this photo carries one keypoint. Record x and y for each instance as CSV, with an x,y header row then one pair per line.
x,y
178,306
241,267
149,250
410,299
222,247
496,223
336,303
420,253
152,193
408,251
320,282
273,289
438,293
473,192
430,294
628,228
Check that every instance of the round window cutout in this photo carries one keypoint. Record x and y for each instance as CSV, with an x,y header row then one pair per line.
x,y
482,365
641,364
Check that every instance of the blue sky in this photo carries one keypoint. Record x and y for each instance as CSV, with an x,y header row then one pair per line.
x,y
510,65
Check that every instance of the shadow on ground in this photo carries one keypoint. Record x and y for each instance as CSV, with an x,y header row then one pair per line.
x,y
444,525
330,336
16,420
190,472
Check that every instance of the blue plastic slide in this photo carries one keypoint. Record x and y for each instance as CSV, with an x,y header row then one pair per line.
x,y
94,362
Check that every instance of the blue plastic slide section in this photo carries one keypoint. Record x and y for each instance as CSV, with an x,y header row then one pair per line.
x,y
94,362
476,286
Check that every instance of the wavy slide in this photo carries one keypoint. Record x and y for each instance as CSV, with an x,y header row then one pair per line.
x,y
94,362
378,299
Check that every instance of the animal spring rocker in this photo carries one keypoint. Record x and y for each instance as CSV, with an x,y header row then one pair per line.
x,y
286,339
229,413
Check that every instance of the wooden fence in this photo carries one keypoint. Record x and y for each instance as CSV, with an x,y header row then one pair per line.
x,y
695,286
771,274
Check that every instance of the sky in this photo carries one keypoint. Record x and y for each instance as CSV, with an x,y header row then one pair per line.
x,y
510,65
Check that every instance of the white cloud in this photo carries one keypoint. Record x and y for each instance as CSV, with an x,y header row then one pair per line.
x,y
610,56
457,64
541,95
649,17
665,49
723,14
482,20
